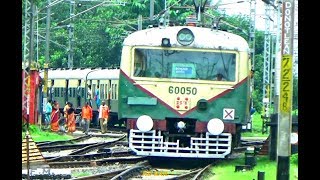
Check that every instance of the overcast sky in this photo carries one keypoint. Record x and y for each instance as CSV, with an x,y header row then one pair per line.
x,y
243,8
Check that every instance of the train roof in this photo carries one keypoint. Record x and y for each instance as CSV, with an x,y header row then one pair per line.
x,y
203,38
98,74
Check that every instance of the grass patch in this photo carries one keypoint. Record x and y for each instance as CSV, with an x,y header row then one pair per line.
x,y
39,135
81,174
295,112
256,127
226,170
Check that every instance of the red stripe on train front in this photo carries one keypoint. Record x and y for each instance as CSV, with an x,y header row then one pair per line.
x,y
169,107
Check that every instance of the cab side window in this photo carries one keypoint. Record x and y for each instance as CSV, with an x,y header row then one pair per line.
x,y
139,64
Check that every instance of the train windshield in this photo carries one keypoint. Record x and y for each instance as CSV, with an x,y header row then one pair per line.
x,y
159,63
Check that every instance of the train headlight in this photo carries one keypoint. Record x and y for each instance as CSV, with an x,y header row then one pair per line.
x,y
215,126
181,125
165,42
144,123
185,37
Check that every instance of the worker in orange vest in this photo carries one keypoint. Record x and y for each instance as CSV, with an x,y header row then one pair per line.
x,y
103,116
86,115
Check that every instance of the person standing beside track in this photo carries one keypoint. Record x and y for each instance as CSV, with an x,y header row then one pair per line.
x,y
71,121
48,113
86,114
79,94
65,110
97,96
103,116
55,116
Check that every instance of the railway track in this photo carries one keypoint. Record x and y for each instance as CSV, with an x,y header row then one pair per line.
x,y
248,143
124,173
94,163
80,153
106,155
193,175
95,146
92,156
113,130
50,148
63,147
71,141
107,175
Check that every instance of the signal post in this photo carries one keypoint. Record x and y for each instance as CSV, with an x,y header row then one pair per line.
x,y
285,98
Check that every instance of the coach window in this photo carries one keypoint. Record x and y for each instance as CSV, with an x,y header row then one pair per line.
x,y
112,91
82,92
225,67
93,90
115,91
56,92
106,91
102,91
62,92
139,60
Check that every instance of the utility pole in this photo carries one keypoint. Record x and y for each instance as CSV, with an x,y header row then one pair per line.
x,y
151,10
252,43
71,34
252,32
25,76
277,60
167,14
30,60
295,40
47,56
139,22
26,51
25,65
285,98
272,66
37,26
48,18
266,69
31,34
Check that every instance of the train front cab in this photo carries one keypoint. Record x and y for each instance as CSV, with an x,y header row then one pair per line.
x,y
148,100
152,137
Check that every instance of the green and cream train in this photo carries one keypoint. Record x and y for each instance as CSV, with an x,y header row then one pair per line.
x,y
184,91
69,85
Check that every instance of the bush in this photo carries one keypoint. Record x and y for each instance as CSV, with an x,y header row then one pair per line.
x,y
34,129
294,159
24,126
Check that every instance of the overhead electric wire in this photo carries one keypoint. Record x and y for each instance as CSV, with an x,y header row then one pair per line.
x,y
84,11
